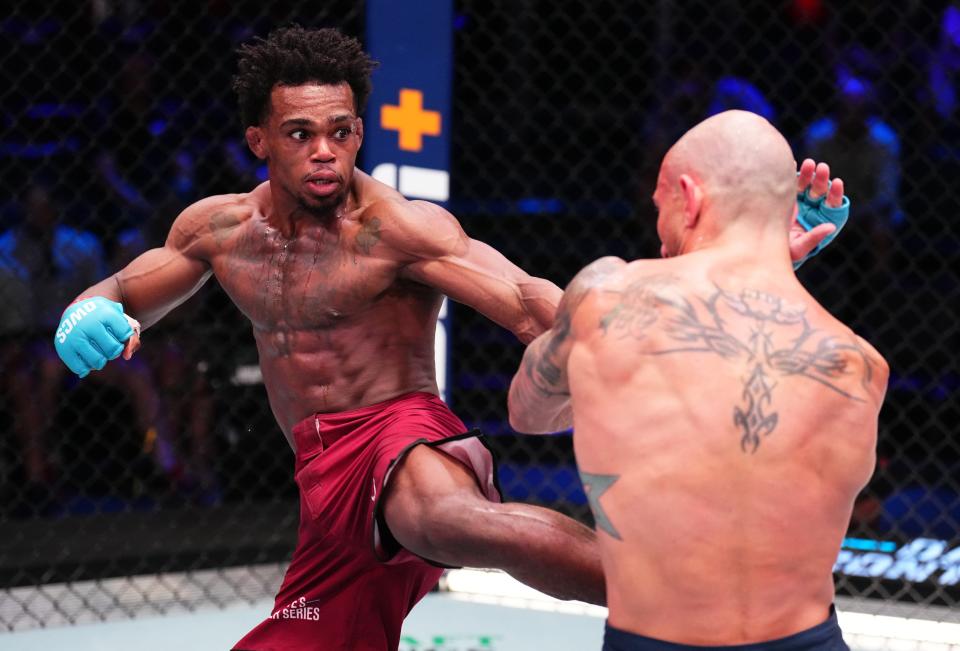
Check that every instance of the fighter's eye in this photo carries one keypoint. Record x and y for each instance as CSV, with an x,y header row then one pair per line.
x,y
299,134
342,133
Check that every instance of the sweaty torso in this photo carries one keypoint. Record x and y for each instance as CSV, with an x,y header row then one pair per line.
x,y
724,424
336,327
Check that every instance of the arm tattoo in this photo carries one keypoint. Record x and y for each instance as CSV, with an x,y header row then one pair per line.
x,y
542,366
221,225
594,486
544,361
780,343
368,235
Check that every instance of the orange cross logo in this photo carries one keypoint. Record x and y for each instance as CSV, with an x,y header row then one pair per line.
x,y
410,120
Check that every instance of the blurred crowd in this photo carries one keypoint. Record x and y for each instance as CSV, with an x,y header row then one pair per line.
x,y
102,149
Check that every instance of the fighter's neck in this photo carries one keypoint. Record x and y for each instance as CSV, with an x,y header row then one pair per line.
x,y
289,217
767,246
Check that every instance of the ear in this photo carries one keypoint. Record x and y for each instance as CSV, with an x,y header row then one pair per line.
x,y
256,142
692,200
360,129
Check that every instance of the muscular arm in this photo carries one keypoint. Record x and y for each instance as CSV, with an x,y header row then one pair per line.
x,y
438,253
160,279
539,400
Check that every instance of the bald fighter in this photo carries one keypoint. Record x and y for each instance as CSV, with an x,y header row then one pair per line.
x,y
723,420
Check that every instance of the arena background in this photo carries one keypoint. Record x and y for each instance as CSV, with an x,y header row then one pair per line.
x,y
116,115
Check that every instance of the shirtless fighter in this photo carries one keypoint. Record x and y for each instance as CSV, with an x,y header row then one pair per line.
x,y
342,280
723,420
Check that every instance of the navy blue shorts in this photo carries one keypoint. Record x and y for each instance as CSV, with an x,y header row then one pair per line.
x,y
822,637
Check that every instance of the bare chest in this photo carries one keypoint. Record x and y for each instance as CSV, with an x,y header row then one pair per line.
x,y
311,281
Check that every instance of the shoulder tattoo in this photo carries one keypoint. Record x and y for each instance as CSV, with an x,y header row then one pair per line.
x,y
543,364
368,235
221,225
779,343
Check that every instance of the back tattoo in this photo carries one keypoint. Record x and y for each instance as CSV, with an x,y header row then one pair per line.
x,y
781,343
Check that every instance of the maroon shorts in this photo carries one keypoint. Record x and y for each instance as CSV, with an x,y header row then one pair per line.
x,y
349,584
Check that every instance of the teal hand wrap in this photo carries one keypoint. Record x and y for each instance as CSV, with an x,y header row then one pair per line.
x,y
813,212
92,331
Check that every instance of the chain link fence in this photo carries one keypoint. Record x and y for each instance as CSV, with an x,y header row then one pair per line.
x,y
116,115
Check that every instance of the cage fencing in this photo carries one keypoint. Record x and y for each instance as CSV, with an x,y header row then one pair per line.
x,y
115,116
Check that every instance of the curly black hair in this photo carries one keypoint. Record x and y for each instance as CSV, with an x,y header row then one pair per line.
x,y
292,56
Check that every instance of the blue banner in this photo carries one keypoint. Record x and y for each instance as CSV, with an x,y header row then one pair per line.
x,y
407,126
406,140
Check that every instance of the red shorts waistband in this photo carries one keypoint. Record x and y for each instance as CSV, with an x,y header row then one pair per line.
x,y
321,430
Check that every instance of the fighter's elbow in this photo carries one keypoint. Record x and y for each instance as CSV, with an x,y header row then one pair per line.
x,y
538,300
526,329
522,419
515,413
526,425
521,424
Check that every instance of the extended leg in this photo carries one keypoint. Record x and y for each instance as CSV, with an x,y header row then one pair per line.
x,y
435,509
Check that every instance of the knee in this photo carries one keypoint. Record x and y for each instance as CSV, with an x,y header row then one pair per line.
x,y
437,527
433,505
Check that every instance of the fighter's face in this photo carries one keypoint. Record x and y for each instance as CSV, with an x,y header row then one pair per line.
x,y
310,141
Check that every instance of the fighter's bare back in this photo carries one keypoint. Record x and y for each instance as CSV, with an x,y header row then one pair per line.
x,y
694,383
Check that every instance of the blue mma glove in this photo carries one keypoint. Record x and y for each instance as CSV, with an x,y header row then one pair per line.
x,y
92,331
813,212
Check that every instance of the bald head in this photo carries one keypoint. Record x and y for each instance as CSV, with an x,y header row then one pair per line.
x,y
743,165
